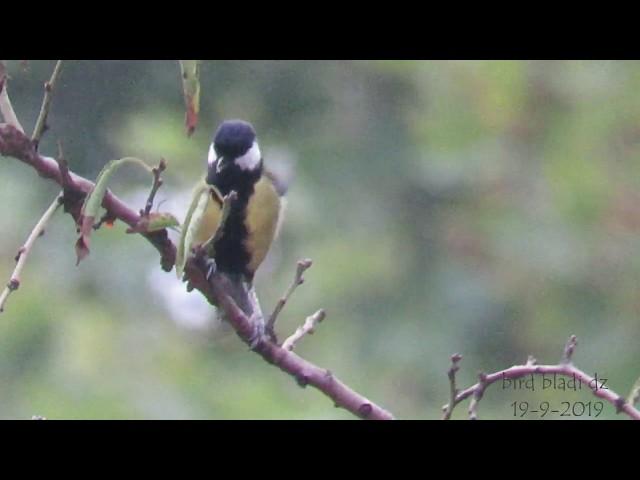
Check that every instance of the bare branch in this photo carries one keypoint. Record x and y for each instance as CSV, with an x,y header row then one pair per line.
x,y
157,183
453,390
305,373
477,396
569,348
14,143
298,279
23,253
41,122
634,395
6,109
565,368
307,328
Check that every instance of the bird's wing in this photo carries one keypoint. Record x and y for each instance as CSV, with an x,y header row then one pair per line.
x,y
210,219
278,182
263,217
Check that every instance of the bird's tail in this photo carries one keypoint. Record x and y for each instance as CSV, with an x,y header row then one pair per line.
x,y
244,294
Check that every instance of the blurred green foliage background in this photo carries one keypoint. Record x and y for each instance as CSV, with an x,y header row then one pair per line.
x,y
490,208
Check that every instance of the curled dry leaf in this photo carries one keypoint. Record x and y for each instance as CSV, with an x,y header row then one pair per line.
x,y
190,70
82,244
93,203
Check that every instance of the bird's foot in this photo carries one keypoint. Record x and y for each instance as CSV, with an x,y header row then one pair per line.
x,y
211,268
204,262
258,334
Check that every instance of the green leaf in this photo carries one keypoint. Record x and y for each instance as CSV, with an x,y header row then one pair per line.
x,y
93,203
192,222
154,222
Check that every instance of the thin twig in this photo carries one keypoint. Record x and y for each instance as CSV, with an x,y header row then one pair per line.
x,y
157,183
72,198
23,253
477,396
67,183
565,368
6,109
634,395
41,123
569,348
453,390
307,328
298,279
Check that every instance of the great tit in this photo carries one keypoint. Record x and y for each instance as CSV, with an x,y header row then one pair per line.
x,y
235,163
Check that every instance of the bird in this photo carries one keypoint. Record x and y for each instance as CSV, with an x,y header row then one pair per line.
x,y
236,230
235,164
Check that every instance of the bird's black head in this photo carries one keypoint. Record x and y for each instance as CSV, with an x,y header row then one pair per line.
x,y
234,155
233,139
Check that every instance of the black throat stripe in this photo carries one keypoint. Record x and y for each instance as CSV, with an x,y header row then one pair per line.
x,y
231,254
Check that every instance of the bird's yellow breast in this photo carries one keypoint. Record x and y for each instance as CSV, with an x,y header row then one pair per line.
x,y
261,218
263,215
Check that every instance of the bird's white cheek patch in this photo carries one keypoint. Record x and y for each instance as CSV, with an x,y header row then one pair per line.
x,y
251,159
212,156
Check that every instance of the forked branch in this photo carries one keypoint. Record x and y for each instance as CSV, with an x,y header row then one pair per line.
x,y
564,368
15,144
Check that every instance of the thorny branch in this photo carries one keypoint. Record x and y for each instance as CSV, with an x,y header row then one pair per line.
x,y
564,368
14,143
